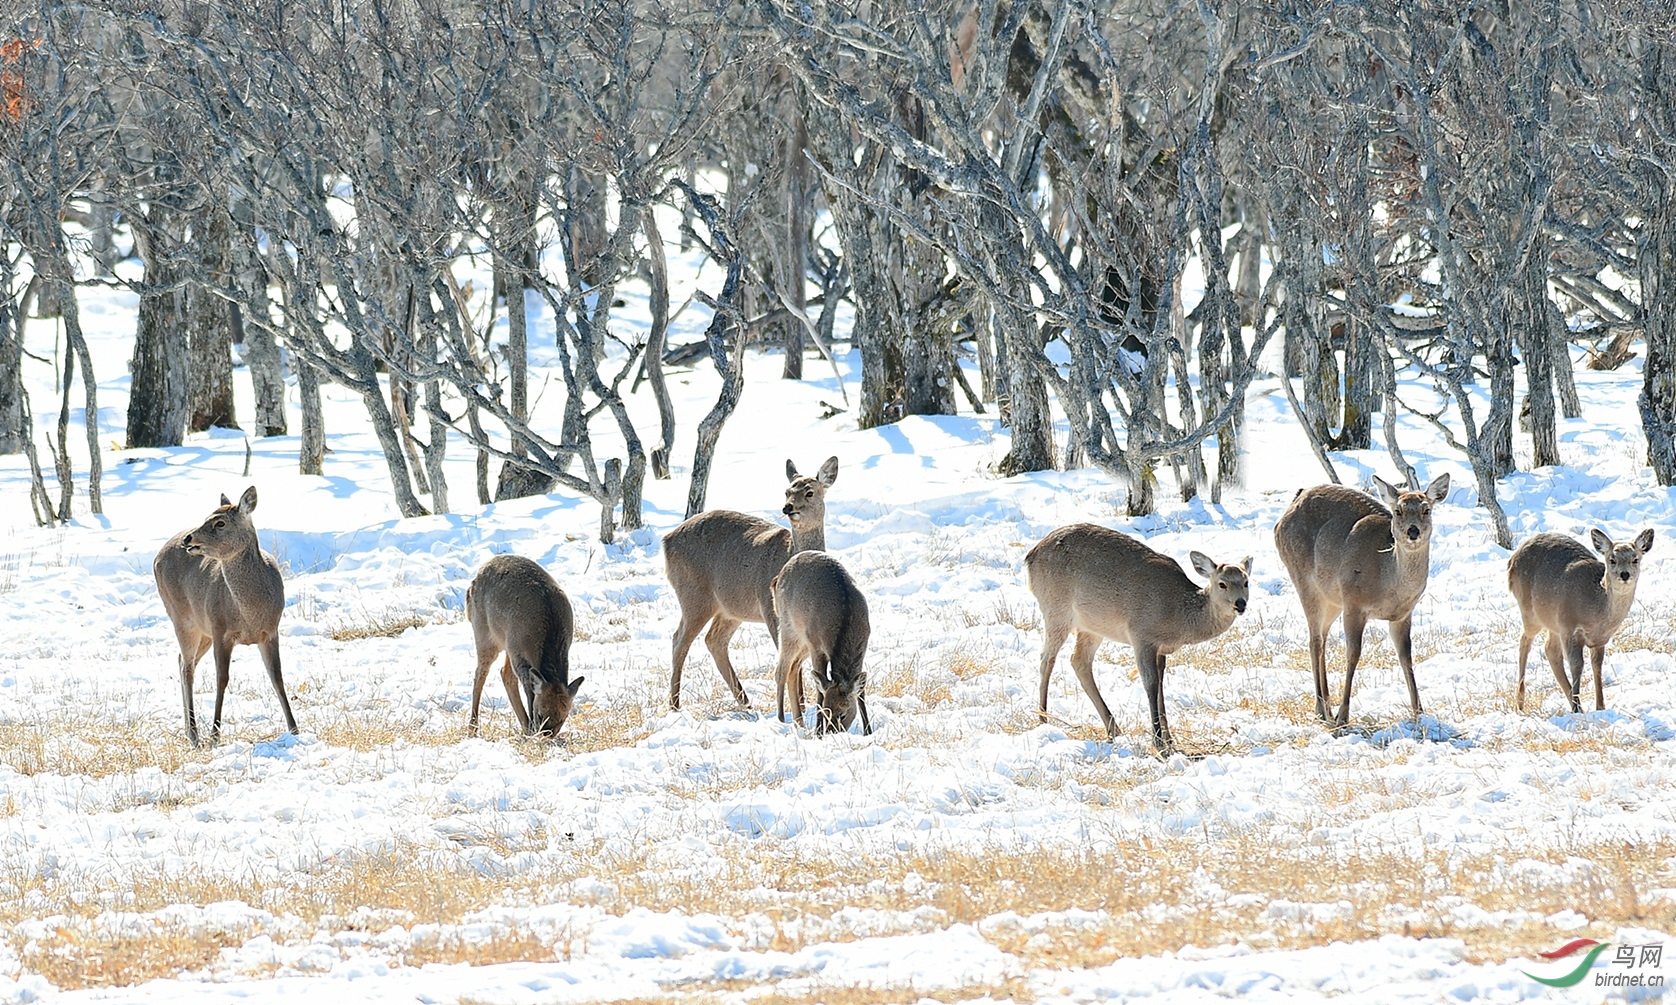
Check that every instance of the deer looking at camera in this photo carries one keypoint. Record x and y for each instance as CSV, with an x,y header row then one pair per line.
x,y
222,590
1345,552
722,565
1106,585
1578,599
516,608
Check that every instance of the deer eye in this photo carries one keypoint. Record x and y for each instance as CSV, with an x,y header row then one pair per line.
x,y
1221,586
809,494
220,525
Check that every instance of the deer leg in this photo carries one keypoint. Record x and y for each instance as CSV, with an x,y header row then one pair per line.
x,y
1524,655
190,653
1354,623
1082,661
716,640
782,678
270,659
861,703
1556,662
485,656
1147,661
513,698
1574,657
1402,639
223,654
684,635
822,666
1052,641
1597,656
1162,713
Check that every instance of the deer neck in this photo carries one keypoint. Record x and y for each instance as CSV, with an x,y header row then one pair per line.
x,y
1615,602
246,575
1207,620
813,539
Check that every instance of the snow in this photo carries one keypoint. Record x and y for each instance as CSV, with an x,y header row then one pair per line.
x,y
957,765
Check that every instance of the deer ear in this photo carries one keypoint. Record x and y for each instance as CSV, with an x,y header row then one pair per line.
x,y
1439,488
1202,564
1246,565
829,471
225,501
791,471
1385,490
1602,543
575,686
247,502
1644,541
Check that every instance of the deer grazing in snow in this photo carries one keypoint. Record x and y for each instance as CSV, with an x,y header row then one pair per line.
x,y
515,607
1345,552
222,590
823,618
722,565
1578,599
1106,585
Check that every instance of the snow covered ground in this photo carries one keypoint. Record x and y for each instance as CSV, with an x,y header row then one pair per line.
x,y
962,852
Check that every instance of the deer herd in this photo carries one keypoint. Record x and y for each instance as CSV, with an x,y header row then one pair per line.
x,y
1346,553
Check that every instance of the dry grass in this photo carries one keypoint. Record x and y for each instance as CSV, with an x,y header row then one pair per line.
x,y
1151,890
81,744
386,623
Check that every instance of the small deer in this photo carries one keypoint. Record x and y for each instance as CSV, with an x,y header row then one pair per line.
x,y
722,565
1345,552
1107,585
222,590
515,607
823,618
1578,599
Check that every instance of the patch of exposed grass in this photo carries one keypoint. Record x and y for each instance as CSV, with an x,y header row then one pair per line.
x,y
81,744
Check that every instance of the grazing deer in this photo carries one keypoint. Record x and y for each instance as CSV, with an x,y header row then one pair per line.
x,y
1107,585
823,618
1577,598
1345,552
515,607
722,565
222,590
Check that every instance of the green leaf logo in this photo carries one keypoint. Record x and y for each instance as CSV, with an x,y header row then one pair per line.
x,y
1576,975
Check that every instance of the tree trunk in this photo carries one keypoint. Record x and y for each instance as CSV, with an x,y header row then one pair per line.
x,y
794,255
311,454
249,317
1658,384
157,406
209,388
1531,317
11,365
655,339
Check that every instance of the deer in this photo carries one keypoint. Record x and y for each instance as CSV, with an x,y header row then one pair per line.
x,y
1347,553
221,590
1104,584
722,565
1578,599
823,619
516,608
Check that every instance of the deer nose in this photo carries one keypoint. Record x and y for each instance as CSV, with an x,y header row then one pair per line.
x,y
1624,576
787,510
1239,606
1413,533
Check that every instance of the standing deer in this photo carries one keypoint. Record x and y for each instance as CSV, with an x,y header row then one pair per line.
x,y
823,618
222,590
722,565
515,607
1345,552
1107,585
1577,598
